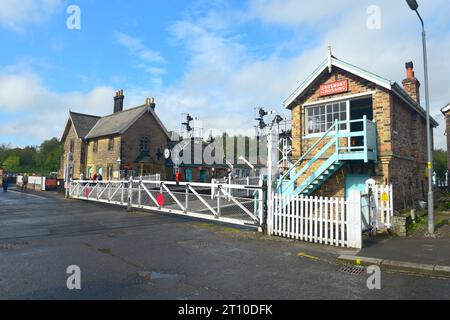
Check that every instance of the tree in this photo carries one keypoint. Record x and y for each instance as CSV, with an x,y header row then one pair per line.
x,y
440,163
12,164
40,160
49,155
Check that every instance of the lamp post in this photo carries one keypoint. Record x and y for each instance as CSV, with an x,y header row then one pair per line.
x,y
414,6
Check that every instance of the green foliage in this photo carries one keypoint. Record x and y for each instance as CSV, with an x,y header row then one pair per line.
x,y
11,164
39,160
440,163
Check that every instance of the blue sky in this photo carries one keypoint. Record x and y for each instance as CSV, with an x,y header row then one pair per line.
x,y
215,59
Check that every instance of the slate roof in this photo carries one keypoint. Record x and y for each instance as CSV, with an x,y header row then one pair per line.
x,y
120,122
83,123
383,82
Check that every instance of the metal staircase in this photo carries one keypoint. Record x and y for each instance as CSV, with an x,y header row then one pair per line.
x,y
332,154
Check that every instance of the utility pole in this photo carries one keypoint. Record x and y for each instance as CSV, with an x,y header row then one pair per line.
x,y
414,6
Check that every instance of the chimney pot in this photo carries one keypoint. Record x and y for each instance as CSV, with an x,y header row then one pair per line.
x,y
118,101
151,103
411,84
410,70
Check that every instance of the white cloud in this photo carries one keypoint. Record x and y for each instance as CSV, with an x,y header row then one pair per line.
x,y
146,56
295,12
39,113
224,80
15,15
136,47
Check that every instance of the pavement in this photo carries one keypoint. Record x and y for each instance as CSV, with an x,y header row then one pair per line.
x,y
156,256
412,249
418,253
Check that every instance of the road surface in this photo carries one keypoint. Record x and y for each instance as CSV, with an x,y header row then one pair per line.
x,y
155,256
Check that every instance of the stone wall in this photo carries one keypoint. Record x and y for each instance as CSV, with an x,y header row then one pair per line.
x,y
146,126
103,157
78,152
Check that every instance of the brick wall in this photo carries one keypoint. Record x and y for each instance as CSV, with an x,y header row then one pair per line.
x,y
401,135
335,186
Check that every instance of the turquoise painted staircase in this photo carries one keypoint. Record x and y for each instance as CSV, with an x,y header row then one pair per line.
x,y
335,157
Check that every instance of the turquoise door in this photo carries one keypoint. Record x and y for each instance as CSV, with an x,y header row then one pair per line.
x,y
188,174
203,176
358,182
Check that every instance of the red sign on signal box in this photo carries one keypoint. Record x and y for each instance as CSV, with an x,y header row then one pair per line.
x,y
329,89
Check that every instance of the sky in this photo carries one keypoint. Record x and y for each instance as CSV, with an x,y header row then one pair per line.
x,y
216,59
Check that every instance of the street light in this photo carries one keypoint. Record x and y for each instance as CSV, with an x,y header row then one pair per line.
x,y
414,6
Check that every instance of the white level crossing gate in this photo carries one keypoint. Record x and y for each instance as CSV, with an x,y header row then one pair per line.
x,y
331,221
228,203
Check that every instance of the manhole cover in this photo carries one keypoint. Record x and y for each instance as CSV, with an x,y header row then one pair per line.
x,y
355,270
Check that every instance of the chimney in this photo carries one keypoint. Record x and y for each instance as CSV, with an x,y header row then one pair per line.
x,y
150,102
411,84
118,101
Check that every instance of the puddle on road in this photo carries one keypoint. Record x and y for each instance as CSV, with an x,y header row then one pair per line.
x,y
166,276
105,250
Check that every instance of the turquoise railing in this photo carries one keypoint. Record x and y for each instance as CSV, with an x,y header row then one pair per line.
x,y
366,151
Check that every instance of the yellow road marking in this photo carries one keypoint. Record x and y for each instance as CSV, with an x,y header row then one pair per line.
x,y
304,255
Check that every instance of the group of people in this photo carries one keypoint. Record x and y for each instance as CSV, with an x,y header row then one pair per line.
x,y
5,183
95,177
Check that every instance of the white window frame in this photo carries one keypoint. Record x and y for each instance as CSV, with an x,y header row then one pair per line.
x,y
321,104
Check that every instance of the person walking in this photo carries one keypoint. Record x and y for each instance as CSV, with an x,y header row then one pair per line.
x,y
25,183
5,183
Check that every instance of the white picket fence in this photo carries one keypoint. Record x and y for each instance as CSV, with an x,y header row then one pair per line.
x,y
331,221
384,202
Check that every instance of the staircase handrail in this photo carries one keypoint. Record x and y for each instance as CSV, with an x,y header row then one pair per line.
x,y
287,173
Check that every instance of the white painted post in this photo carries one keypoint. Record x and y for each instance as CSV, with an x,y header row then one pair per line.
x,y
139,192
130,194
272,166
213,188
229,189
354,222
261,204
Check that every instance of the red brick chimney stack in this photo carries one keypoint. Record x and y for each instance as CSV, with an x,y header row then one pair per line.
x,y
411,84
118,101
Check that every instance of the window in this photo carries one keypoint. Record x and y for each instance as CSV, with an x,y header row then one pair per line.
x,y
111,144
72,145
144,145
321,118
95,146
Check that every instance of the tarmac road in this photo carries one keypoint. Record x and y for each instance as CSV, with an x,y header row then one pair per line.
x,y
156,256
